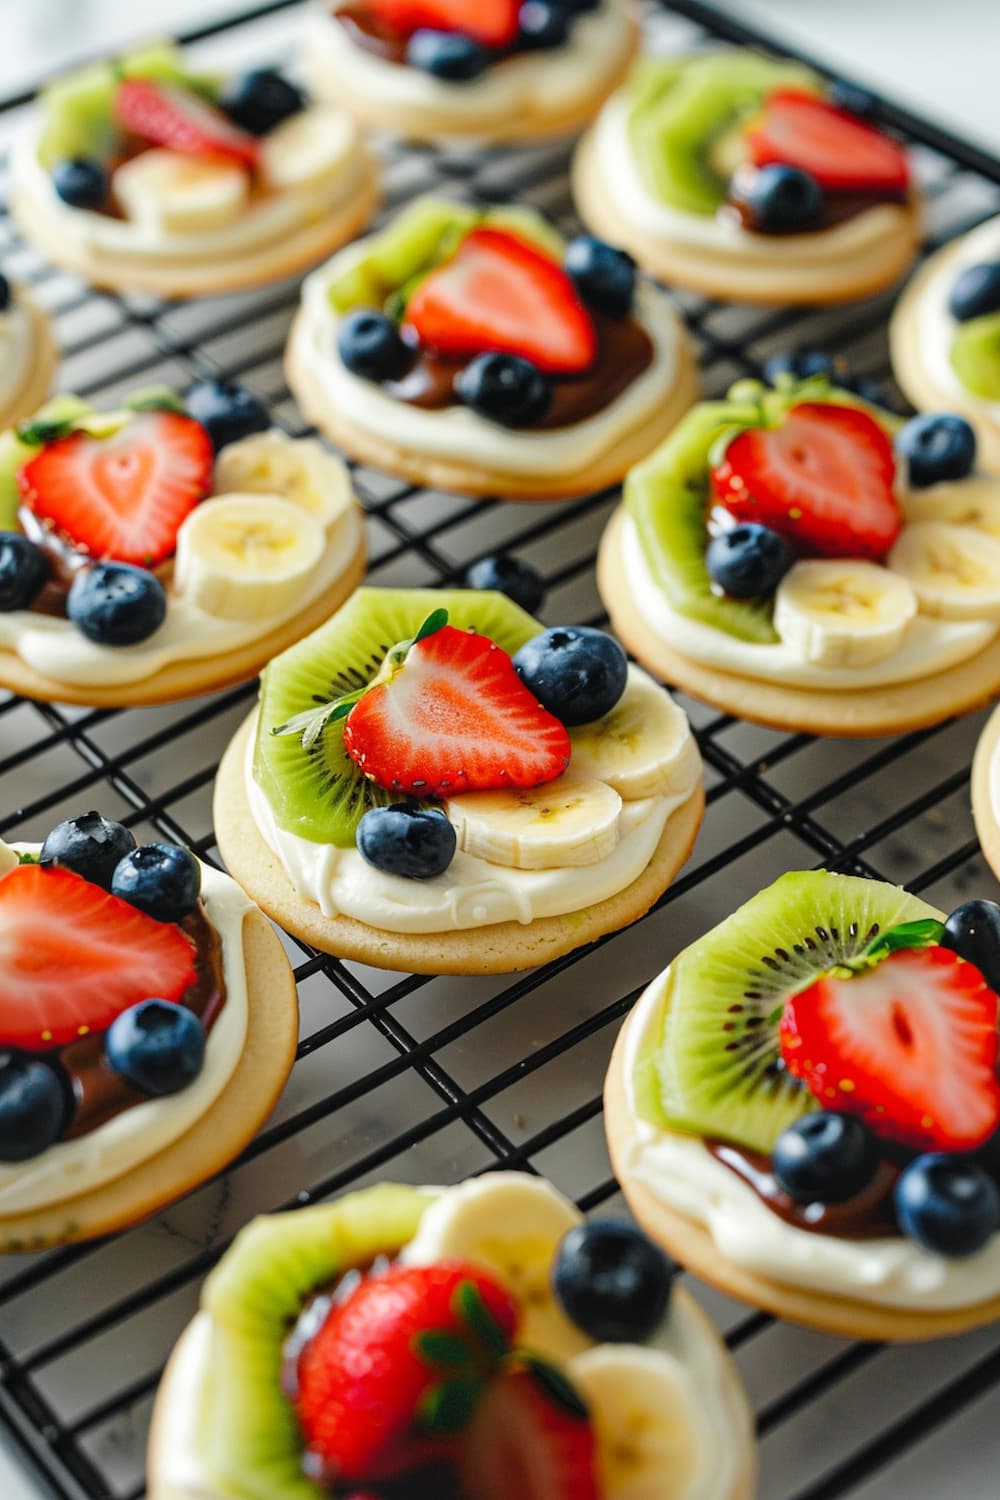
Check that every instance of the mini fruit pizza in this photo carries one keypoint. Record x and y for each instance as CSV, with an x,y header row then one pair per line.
x,y
141,174
435,783
804,1108
945,335
491,71
481,1342
476,350
750,179
28,355
165,549
148,1021
801,557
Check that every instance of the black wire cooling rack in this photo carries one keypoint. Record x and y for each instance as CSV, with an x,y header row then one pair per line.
x,y
427,1080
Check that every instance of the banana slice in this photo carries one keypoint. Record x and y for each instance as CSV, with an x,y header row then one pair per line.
x,y
967,502
308,150
296,469
8,859
954,570
511,1224
173,192
644,1421
570,821
843,613
242,557
643,747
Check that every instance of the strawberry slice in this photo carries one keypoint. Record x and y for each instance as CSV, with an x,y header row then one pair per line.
x,y
500,295
397,1367
823,479
492,23
526,1441
173,117
910,1045
843,153
455,717
72,957
123,496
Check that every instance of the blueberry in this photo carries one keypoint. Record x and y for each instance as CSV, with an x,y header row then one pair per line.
x,y
948,1204
976,292
81,182
869,388
417,842
505,388
800,365
24,571
780,198
973,932
604,276
261,99
937,446
90,845
748,561
116,604
5,293
542,24
612,1281
577,673
227,411
448,55
825,1157
853,98
370,346
159,879
156,1046
35,1105
518,580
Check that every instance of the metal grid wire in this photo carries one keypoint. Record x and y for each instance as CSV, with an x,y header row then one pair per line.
x,y
426,1080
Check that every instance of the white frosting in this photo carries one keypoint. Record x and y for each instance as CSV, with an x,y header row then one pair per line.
x,y
682,1173
16,350
548,82
457,433
718,235
130,1139
929,645
935,324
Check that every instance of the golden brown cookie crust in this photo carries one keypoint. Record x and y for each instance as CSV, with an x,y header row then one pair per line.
x,y
500,948
693,1247
379,451
987,828
44,359
297,252
725,277
912,375
186,679
213,1142
856,714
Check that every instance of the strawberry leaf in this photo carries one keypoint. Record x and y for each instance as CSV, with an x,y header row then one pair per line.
x,y
446,1350
471,1310
925,933
448,1408
38,434
156,398
312,721
556,1385
434,622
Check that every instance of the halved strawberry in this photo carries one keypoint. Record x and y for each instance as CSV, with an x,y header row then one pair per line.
x,y
455,717
72,957
174,117
526,1442
123,496
843,153
499,294
910,1045
823,479
397,1368
493,23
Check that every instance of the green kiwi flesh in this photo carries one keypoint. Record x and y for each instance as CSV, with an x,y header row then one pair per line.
x,y
248,1436
319,794
975,355
718,1063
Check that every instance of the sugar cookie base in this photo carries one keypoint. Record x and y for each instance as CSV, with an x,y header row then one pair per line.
x,y
987,827
857,714
37,383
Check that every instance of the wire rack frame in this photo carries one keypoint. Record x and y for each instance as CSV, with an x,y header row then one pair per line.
x,y
427,1079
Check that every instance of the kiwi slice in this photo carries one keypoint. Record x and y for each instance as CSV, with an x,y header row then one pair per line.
x,y
718,1064
975,355
14,452
248,1436
318,793
680,111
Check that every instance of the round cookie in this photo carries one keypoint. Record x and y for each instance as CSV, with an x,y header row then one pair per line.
x,y
41,366
501,948
214,1141
983,809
